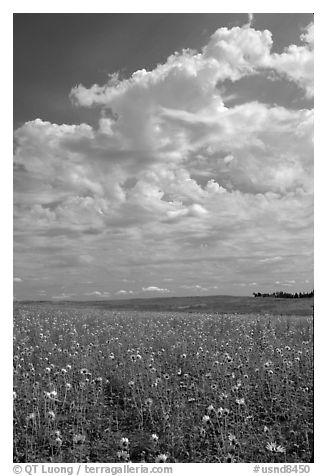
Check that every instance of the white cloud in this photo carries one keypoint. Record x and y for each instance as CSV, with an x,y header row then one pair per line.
x,y
17,280
250,20
63,296
172,172
270,260
196,287
155,289
98,293
296,62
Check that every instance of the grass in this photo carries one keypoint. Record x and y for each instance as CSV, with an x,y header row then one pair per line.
x,y
92,385
208,304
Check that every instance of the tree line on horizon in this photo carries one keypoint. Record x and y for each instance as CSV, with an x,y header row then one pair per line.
x,y
282,294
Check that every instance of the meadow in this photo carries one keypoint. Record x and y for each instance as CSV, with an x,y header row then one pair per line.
x,y
96,385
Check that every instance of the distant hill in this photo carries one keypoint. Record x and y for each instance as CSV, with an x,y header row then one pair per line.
x,y
210,304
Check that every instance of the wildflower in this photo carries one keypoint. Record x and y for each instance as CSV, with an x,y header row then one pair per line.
x,y
162,458
154,437
14,395
79,439
31,416
148,402
123,455
166,376
63,371
202,432
240,401
68,386
131,383
124,443
84,371
51,415
272,446
220,412
232,439
58,441
210,408
52,395
265,429
206,419
229,459
226,412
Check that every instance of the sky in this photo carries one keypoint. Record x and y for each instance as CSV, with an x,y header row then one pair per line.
x,y
162,154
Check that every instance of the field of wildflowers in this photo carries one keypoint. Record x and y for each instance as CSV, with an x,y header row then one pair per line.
x,y
109,386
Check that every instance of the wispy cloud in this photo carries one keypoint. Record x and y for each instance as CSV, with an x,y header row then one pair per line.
x,y
196,287
63,296
250,20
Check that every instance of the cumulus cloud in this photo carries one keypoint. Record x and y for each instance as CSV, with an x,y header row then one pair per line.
x,y
98,293
170,171
17,280
155,289
296,62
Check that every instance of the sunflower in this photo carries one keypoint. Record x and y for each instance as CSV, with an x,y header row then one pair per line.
x,y
274,448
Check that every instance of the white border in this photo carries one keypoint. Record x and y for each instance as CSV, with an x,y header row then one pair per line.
x,y
60,6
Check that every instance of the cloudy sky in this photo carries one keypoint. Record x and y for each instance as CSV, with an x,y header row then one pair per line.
x,y
162,154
